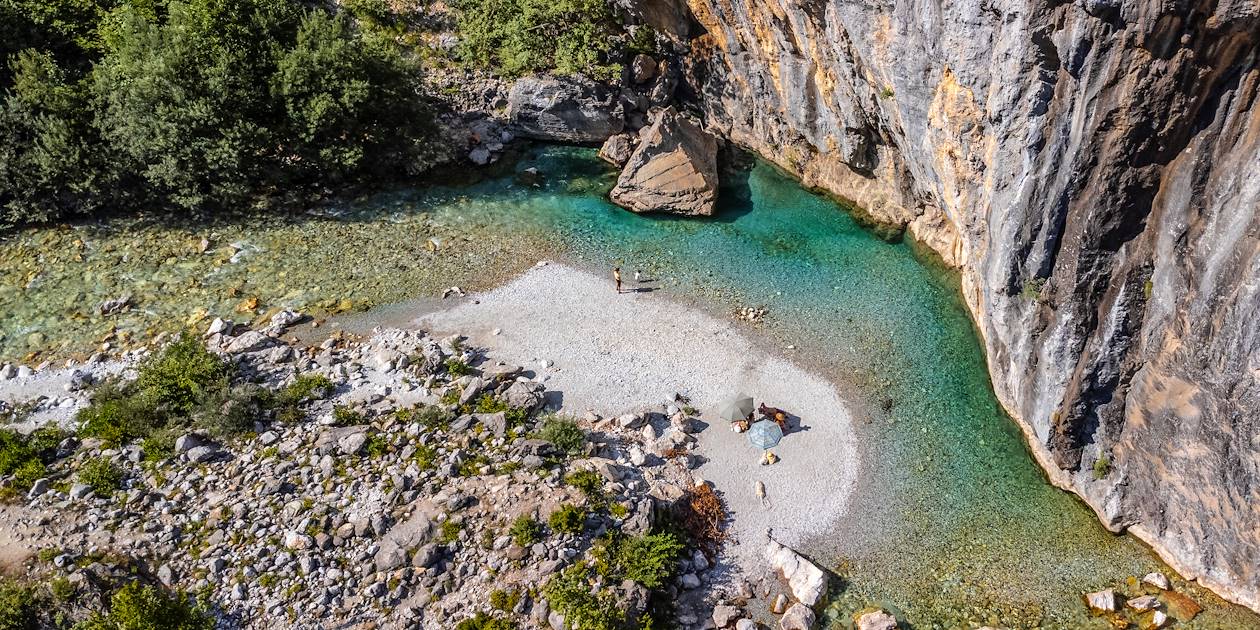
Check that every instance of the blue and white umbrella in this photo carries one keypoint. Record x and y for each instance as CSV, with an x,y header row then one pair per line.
x,y
764,434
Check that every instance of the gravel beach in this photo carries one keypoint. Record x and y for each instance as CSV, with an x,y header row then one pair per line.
x,y
614,353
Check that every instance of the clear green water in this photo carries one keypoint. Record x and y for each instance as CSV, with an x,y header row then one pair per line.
x,y
955,526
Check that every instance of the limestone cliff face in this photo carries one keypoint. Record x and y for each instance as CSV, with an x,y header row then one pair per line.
x,y
1093,170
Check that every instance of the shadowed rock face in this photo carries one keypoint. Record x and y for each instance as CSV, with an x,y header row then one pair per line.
x,y
1093,170
564,109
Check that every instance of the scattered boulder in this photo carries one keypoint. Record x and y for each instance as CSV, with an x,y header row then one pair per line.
x,y
285,318
798,617
723,614
1143,603
249,341
525,395
643,68
618,148
674,169
564,109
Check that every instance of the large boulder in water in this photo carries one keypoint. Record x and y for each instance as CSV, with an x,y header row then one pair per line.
x,y
674,169
564,109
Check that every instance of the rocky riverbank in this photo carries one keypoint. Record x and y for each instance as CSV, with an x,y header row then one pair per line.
x,y
420,481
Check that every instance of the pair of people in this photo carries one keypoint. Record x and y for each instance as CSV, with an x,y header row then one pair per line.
x,y
617,277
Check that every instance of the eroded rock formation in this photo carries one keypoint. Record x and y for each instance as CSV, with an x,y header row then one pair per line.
x,y
1093,170
674,169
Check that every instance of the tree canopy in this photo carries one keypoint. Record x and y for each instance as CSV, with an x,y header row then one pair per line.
x,y
194,105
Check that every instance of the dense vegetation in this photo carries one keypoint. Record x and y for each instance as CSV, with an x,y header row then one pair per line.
x,y
516,37
134,606
181,388
195,105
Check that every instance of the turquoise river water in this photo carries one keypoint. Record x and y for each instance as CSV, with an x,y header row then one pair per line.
x,y
955,526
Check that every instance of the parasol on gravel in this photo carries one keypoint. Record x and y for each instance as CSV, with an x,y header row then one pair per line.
x,y
735,409
764,434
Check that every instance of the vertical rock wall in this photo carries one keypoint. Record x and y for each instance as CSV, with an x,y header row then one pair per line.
x,y
1093,170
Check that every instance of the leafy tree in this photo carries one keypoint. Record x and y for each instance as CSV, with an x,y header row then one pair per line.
x,y
180,100
50,162
350,103
522,36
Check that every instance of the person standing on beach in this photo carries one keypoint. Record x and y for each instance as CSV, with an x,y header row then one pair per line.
x,y
637,277
617,278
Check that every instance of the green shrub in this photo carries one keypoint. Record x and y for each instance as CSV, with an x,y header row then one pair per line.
x,y
572,594
526,531
449,531
227,411
304,388
569,519
19,457
344,416
62,589
101,475
117,416
19,607
1102,466
429,416
482,621
137,607
590,483
178,377
1033,289
425,457
504,600
456,367
563,433
650,559
377,445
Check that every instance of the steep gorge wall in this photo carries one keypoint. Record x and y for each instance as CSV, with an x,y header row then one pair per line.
x,y
1093,170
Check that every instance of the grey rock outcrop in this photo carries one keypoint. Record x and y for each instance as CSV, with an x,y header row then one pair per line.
x,y
564,109
1089,167
674,169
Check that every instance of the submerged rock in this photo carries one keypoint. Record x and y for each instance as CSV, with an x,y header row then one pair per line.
x,y
876,620
1103,601
674,169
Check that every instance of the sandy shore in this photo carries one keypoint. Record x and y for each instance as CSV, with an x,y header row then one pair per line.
x,y
614,353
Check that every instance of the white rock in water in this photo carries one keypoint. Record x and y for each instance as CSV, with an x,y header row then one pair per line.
x,y
807,581
496,332
877,620
285,318
1101,601
218,327
1158,580
24,371
7,372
